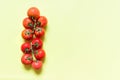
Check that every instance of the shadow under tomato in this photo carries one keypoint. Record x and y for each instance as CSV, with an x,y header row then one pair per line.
x,y
27,67
46,28
43,60
39,71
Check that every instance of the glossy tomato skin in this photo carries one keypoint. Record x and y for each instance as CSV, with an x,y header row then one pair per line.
x,y
28,23
39,32
27,59
26,48
36,43
37,64
33,12
27,34
39,54
42,21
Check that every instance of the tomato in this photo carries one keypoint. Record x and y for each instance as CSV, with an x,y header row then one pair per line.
x,y
27,59
39,54
42,21
36,43
39,32
28,23
33,12
26,47
37,64
27,34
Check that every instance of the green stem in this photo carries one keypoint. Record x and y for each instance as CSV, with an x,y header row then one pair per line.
x,y
33,53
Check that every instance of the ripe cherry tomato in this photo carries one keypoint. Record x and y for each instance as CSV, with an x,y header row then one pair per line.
x,y
37,64
36,43
27,59
27,34
26,47
42,21
33,12
28,23
39,54
39,32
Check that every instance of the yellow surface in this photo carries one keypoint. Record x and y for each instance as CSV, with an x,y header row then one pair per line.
x,y
82,40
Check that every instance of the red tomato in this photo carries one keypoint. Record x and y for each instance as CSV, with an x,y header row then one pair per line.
x,y
28,23
39,32
27,34
33,12
36,43
42,21
37,64
27,59
26,47
39,54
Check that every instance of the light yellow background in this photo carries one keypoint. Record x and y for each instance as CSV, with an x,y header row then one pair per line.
x,y
82,40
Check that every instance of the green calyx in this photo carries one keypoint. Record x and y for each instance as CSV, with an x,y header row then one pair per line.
x,y
35,45
27,50
39,23
30,25
29,58
36,52
38,29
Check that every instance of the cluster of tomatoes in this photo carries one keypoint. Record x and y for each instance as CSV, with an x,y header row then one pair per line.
x,y
34,25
